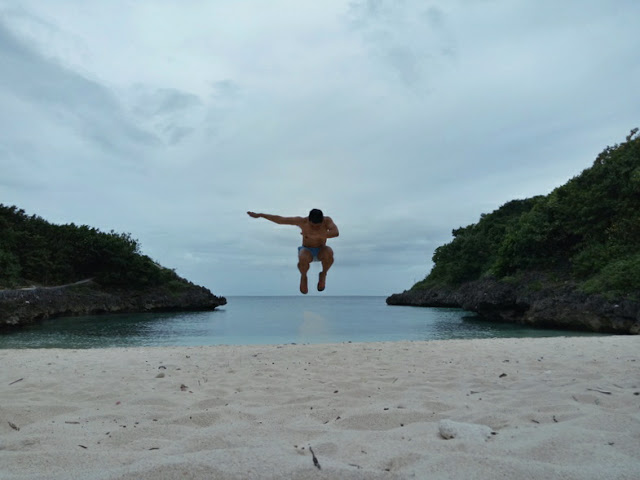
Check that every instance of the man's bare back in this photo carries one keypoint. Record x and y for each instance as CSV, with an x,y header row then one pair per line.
x,y
315,230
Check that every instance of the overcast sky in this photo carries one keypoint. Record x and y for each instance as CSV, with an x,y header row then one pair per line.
x,y
400,119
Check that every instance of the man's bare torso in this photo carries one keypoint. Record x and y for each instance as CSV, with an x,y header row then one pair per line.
x,y
314,235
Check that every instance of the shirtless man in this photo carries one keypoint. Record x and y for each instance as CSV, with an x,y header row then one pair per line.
x,y
316,228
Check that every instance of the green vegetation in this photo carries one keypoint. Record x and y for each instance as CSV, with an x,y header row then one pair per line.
x,y
34,251
587,230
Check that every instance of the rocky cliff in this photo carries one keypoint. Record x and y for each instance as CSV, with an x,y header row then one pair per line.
x,y
533,303
25,306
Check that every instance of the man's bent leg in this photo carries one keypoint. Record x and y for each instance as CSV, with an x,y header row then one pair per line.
x,y
304,260
326,257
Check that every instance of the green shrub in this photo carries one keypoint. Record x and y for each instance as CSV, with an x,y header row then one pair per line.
x,y
586,230
33,250
617,278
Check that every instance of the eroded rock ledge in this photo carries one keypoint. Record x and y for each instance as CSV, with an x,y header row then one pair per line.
x,y
25,306
549,306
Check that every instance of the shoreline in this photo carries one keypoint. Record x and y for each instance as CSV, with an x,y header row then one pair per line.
x,y
516,407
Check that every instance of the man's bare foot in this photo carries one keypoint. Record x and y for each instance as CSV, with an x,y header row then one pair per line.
x,y
303,284
322,279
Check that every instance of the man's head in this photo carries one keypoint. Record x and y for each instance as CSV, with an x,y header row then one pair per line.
x,y
316,216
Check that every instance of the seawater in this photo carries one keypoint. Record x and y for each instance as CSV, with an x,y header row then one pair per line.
x,y
268,320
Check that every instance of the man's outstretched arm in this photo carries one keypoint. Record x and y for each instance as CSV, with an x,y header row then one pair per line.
x,y
277,218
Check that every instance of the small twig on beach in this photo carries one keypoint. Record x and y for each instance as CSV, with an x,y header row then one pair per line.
x,y
599,391
16,381
82,446
315,460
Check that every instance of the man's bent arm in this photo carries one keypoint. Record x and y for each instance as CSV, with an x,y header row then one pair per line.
x,y
277,218
332,229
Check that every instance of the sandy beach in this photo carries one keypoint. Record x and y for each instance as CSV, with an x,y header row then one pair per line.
x,y
484,409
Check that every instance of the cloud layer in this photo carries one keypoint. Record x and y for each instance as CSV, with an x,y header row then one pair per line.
x,y
401,120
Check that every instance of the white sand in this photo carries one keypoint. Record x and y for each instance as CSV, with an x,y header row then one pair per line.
x,y
515,408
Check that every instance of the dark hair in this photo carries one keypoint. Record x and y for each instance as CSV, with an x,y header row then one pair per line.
x,y
316,216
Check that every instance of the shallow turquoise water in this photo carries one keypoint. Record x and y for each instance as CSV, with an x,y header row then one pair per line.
x,y
268,320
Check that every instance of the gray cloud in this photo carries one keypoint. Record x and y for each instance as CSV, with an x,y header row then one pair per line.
x,y
66,96
411,38
163,101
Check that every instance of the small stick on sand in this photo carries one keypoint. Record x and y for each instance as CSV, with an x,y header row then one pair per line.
x,y
599,391
315,460
16,381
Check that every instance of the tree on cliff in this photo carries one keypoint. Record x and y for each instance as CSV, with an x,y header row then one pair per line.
x,y
587,230
33,250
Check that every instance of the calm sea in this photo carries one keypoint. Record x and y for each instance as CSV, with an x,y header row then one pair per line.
x,y
268,320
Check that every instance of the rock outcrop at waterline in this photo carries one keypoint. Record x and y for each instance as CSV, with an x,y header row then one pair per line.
x,y
569,259
553,305
26,306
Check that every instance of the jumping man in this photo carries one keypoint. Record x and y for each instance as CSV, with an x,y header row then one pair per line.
x,y
316,229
